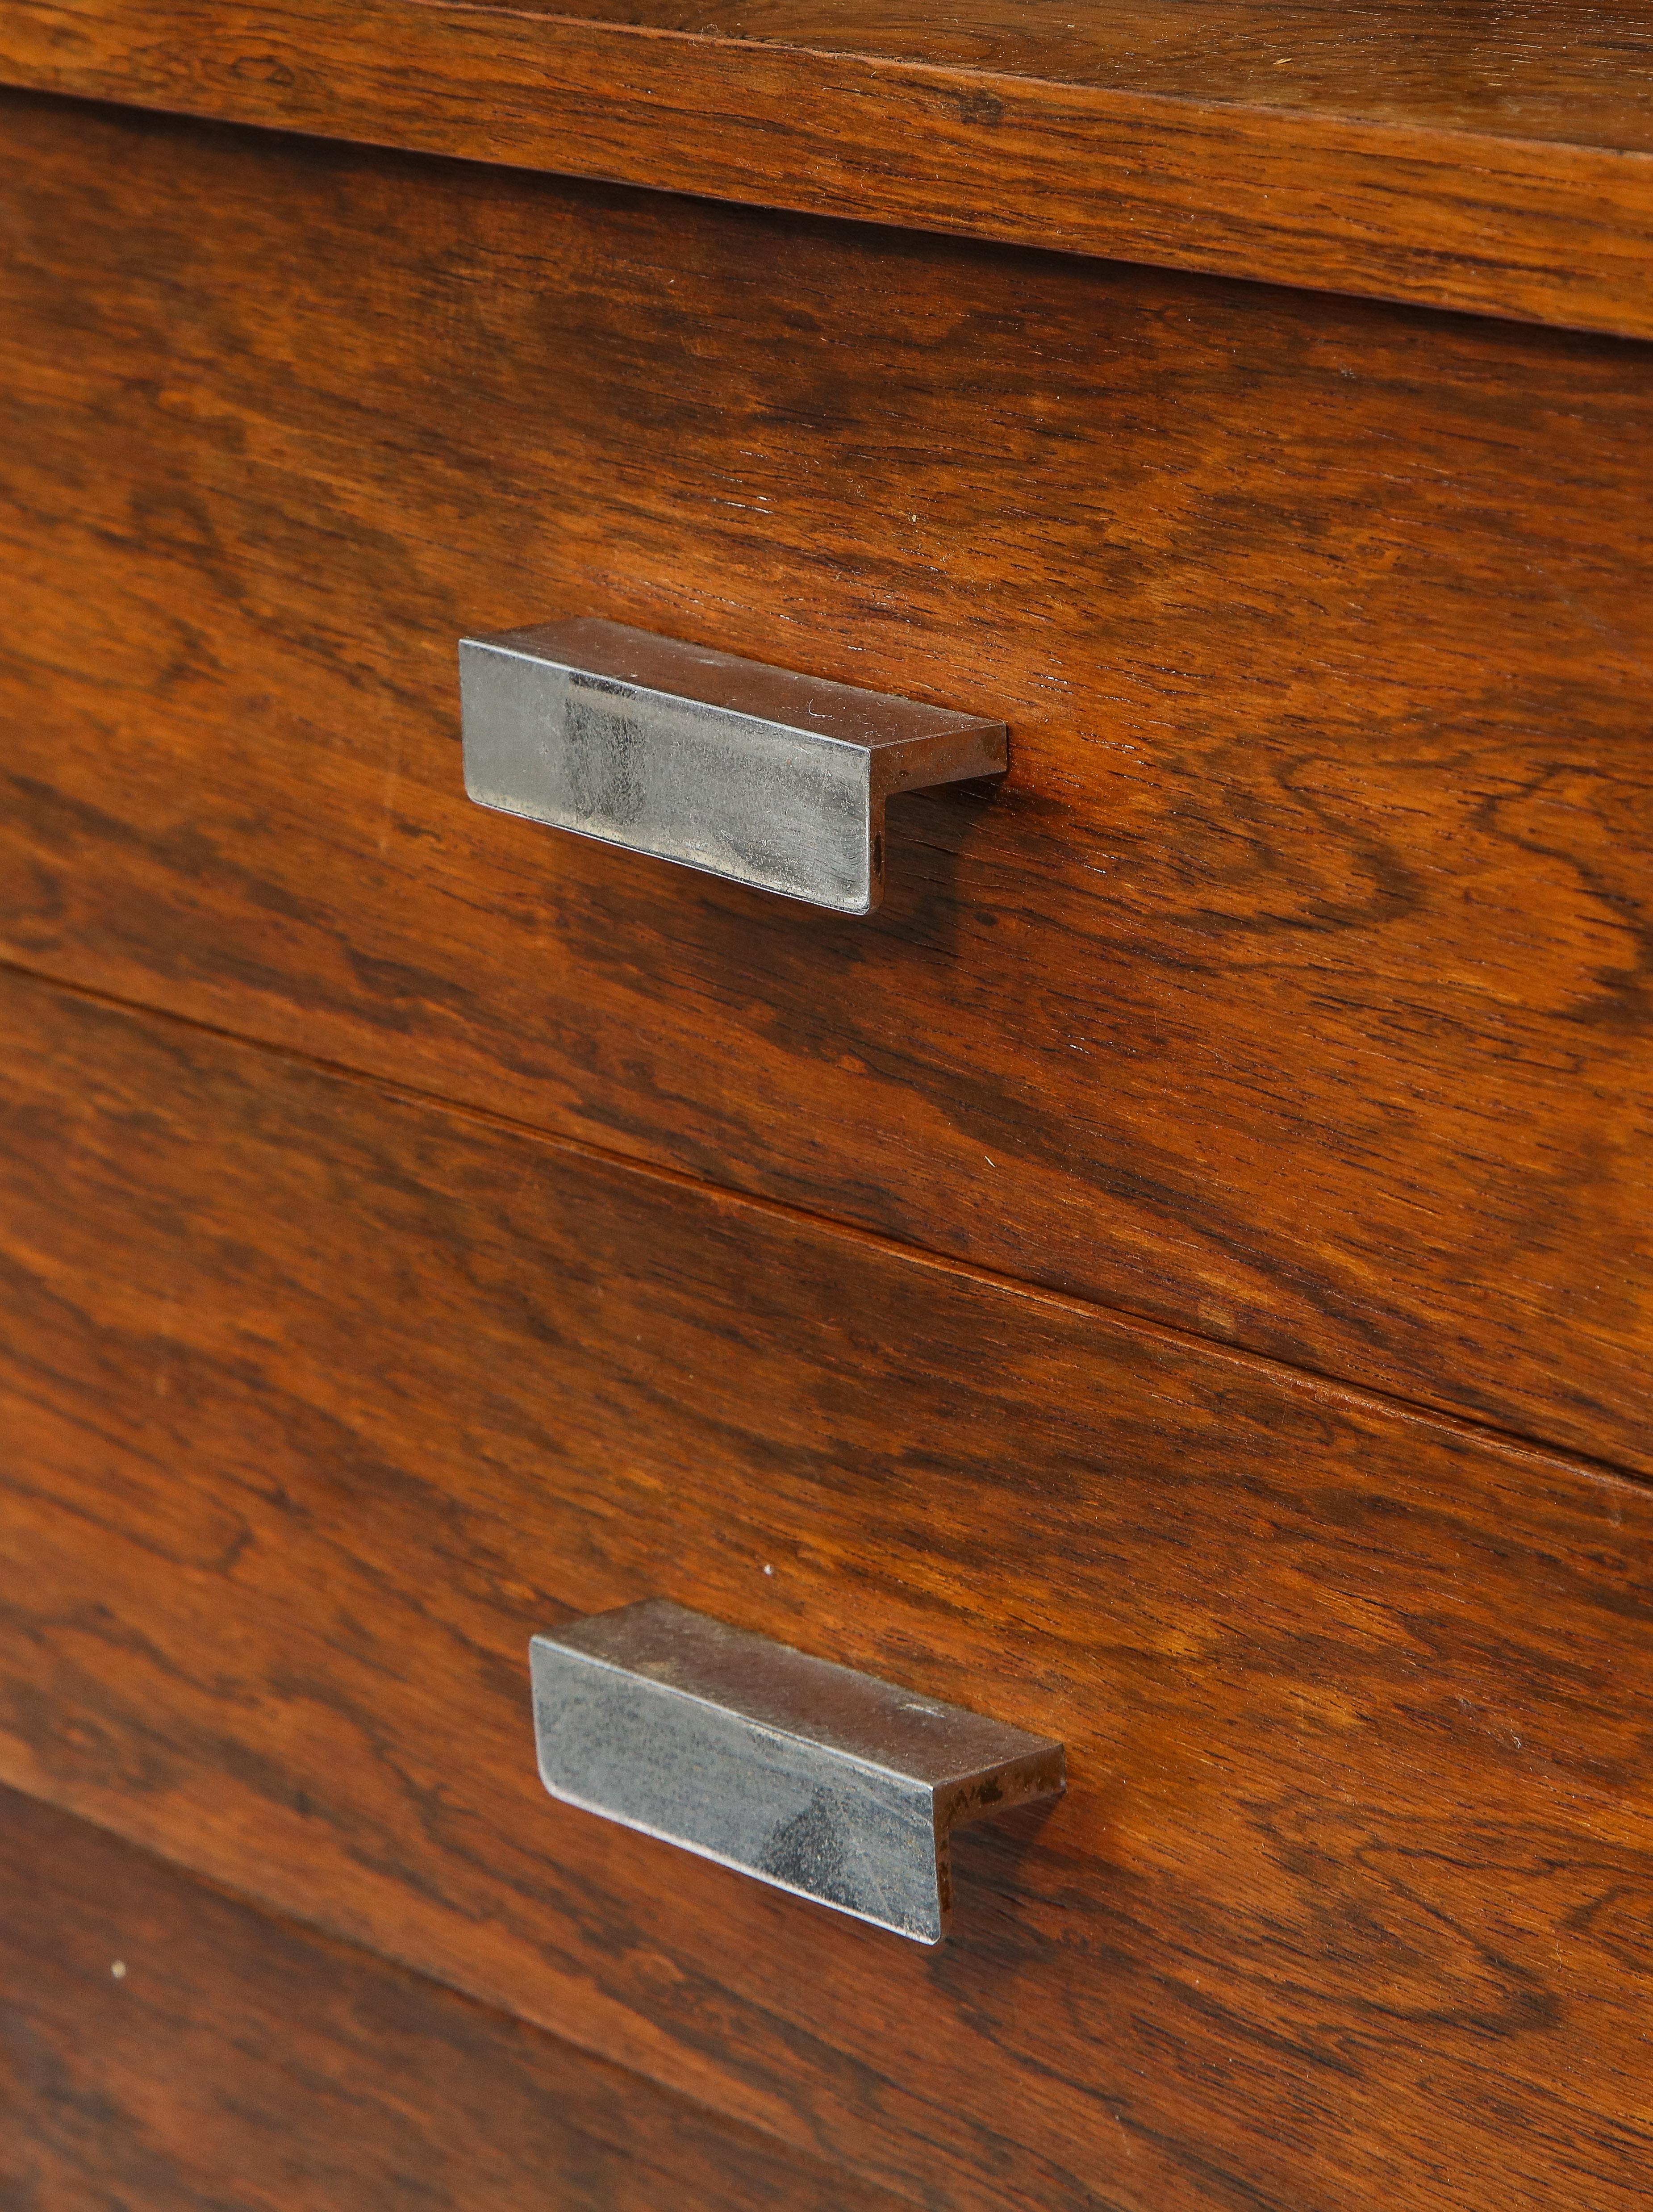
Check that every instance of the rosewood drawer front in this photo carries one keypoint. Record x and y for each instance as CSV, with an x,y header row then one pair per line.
x,y
1290,987
174,2047
321,1402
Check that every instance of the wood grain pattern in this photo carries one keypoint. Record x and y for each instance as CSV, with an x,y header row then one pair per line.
x,y
1576,72
240,2063
319,1399
1496,160
1295,989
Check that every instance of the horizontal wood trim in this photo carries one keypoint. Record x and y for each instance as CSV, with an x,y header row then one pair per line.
x,y
1293,990
1532,228
165,2047
320,1401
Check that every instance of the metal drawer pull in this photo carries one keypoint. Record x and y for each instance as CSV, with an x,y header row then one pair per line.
x,y
766,778
833,1785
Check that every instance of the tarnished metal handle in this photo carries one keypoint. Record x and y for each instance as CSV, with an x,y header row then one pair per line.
x,y
744,771
828,1782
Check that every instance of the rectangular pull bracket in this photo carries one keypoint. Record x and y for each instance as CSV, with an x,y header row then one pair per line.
x,y
831,1784
741,770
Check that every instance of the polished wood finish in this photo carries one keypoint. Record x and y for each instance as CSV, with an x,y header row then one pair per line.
x,y
1293,990
1458,156
166,2048
319,1399
1573,72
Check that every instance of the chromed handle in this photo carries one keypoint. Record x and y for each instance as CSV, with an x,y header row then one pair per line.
x,y
744,771
822,1781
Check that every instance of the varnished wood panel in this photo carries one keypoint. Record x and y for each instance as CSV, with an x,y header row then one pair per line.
x,y
319,1401
167,2048
1293,990
1573,72
1495,160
